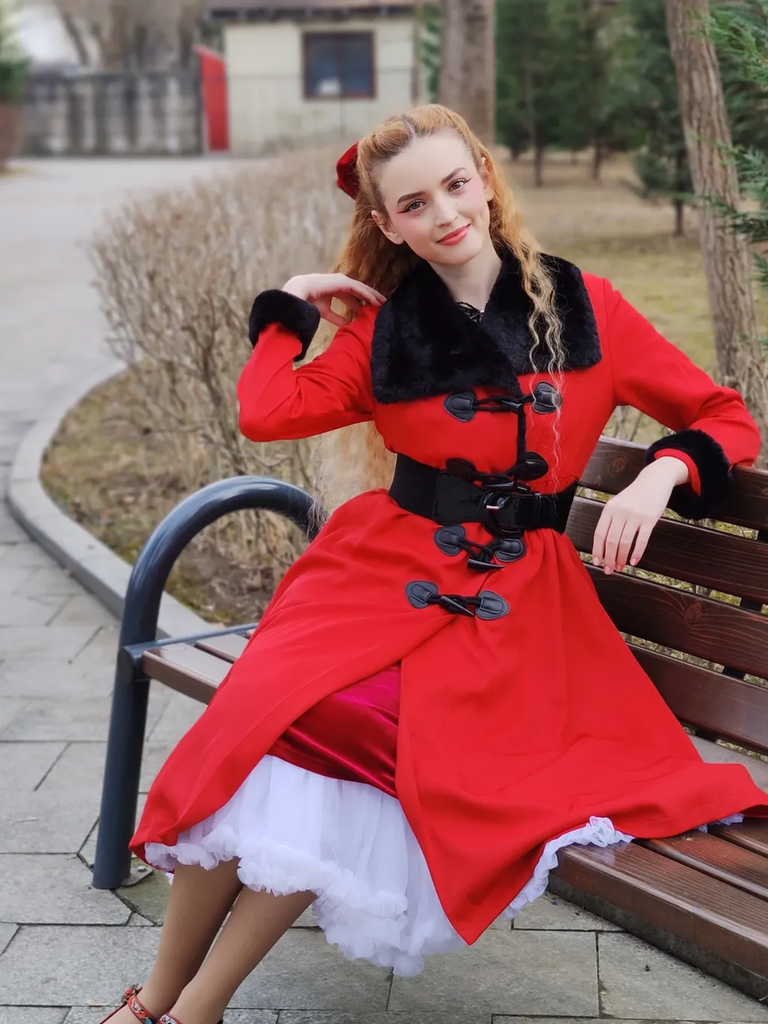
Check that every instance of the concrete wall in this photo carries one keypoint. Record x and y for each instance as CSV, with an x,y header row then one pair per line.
x,y
265,74
113,114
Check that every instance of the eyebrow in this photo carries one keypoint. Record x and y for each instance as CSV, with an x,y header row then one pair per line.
x,y
446,179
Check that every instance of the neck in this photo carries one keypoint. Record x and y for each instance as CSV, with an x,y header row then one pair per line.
x,y
472,281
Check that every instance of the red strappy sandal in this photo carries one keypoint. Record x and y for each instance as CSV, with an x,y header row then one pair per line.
x,y
139,1011
130,999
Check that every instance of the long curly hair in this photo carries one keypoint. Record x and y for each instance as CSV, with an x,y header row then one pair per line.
x,y
354,459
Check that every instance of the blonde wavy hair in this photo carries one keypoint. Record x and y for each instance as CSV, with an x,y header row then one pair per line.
x,y
354,459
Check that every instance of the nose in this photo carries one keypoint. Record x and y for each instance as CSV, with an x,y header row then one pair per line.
x,y
445,210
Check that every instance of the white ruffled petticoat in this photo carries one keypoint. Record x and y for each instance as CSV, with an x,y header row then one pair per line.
x,y
294,830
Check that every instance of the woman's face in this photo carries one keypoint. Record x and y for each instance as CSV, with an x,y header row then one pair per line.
x,y
436,200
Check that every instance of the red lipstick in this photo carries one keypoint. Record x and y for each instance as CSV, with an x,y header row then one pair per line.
x,y
455,236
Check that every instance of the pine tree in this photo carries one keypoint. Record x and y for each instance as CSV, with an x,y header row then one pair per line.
x,y
528,92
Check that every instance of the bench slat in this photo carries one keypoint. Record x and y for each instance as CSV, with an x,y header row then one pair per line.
x,y
752,835
714,753
228,647
674,897
710,629
729,862
186,669
709,558
614,464
709,700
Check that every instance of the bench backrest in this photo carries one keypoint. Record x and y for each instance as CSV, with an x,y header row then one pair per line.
x,y
701,591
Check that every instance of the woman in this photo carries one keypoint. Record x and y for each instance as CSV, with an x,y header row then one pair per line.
x,y
411,772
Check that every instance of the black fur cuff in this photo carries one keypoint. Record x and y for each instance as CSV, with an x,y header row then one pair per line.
x,y
714,472
274,306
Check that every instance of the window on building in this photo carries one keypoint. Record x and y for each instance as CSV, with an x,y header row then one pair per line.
x,y
338,64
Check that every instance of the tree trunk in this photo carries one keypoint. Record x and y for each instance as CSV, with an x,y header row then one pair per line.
x,y
468,63
679,205
538,165
727,260
597,160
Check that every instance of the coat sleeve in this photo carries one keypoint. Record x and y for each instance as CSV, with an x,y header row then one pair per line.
x,y
712,430
279,402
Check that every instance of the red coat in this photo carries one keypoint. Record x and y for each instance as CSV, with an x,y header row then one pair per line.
x,y
512,730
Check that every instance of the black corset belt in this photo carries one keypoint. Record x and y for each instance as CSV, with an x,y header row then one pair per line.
x,y
451,496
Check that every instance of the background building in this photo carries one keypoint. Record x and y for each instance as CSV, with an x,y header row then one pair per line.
x,y
299,71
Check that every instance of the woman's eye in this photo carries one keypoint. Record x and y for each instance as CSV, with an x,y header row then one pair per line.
x,y
459,182
412,206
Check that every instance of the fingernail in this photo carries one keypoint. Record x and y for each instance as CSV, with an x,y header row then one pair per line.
x,y
608,570
595,560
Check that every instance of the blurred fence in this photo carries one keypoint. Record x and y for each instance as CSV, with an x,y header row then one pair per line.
x,y
103,113
174,112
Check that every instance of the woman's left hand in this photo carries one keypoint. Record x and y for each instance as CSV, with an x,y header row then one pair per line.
x,y
632,514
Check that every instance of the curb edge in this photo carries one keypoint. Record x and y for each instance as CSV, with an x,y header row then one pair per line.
x,y
103,573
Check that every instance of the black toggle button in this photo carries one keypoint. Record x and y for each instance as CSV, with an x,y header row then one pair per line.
x,y
492,606
533,467
419,592
546,398
509,549
447,539
461,405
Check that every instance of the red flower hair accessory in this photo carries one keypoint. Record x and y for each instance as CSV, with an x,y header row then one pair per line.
x,y
346,170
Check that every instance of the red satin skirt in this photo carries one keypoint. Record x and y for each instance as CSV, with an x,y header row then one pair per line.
x,y
352,734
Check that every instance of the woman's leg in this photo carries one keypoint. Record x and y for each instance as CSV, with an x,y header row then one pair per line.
x,y
257,921
198,903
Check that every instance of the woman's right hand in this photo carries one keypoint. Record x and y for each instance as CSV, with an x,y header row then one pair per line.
x,y
320,289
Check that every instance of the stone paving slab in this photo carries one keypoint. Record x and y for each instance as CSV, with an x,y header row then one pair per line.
x,y
87,852
55,890
51,642
46,579
49,678
390,1017
7,931
74,719
13,579
508,973
24,555
638,980
23,766
32,1015
179,716
71,966
30,611
303,970
552,912
10,709
46,822
82,610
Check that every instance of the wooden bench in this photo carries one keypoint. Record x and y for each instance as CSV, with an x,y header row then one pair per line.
x,y
701,896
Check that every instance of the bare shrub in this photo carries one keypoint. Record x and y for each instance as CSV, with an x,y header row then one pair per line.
x,y
176,275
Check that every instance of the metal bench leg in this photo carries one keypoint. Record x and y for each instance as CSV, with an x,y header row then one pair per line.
x,y
141,612
120,793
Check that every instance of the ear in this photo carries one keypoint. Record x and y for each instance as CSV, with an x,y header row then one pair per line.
x,y
485,175
384,224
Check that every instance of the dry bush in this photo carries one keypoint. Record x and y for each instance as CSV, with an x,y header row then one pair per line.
x,y
176,276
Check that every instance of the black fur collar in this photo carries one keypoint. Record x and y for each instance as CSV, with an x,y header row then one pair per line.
x,y
425,345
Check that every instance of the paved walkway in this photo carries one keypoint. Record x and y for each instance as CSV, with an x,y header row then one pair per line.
x,y
68,951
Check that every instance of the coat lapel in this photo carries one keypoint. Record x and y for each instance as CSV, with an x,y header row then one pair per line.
x,y
425,345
